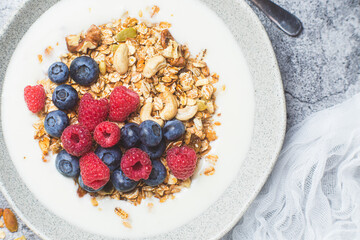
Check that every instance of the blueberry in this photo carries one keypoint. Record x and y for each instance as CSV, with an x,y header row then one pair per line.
x,y
65,97
55,123
173,130
130,135
121,182
157,175
110,156
58,72
154,152
150,133
84,70
86,188
67,164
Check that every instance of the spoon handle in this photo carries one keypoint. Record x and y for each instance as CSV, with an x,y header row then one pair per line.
x,y
286,21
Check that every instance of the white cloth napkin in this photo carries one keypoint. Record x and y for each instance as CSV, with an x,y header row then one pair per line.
x,y
314,189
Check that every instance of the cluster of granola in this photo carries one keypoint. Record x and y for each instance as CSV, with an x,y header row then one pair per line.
x,y
186,78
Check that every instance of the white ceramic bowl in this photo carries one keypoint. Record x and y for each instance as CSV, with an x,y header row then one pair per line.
x,y
253,125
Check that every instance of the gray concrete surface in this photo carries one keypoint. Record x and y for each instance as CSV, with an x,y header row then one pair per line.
x,y
320,68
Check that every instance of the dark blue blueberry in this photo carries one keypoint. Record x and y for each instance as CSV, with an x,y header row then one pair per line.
x,y
110,156
157,175
121,182
84,70
55,123
130,135
150,133
67,164
86,188
154,152
58,72
65,97
173,130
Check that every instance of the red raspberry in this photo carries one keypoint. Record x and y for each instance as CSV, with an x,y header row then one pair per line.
x,y
136,164
92,111
35,98
94,172
107,134
123,101
181,161
76,140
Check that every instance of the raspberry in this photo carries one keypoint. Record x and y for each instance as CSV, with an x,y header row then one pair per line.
x,y
107,134
92,111
35,98
76,140
123,101
94,172
181,161
136,164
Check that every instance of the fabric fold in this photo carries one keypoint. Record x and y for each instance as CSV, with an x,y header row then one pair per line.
x,y
314,189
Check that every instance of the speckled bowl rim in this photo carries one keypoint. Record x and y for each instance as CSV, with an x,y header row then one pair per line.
x,y
268,134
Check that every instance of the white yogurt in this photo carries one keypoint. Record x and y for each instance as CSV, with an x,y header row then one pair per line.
x,y
192,23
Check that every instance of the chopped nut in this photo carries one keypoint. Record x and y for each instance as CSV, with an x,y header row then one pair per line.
x,y
93,35
165,38
121,213
10,220
72,42
172,50
84,46
94,202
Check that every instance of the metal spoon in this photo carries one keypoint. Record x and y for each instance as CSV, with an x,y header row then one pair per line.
x,y
286,21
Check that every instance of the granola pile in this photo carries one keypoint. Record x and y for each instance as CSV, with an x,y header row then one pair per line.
x,y
174,84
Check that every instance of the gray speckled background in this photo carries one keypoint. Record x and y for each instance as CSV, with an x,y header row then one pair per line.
x,y
320,68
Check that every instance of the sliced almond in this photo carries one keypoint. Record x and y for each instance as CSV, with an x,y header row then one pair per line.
x,y
10,220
